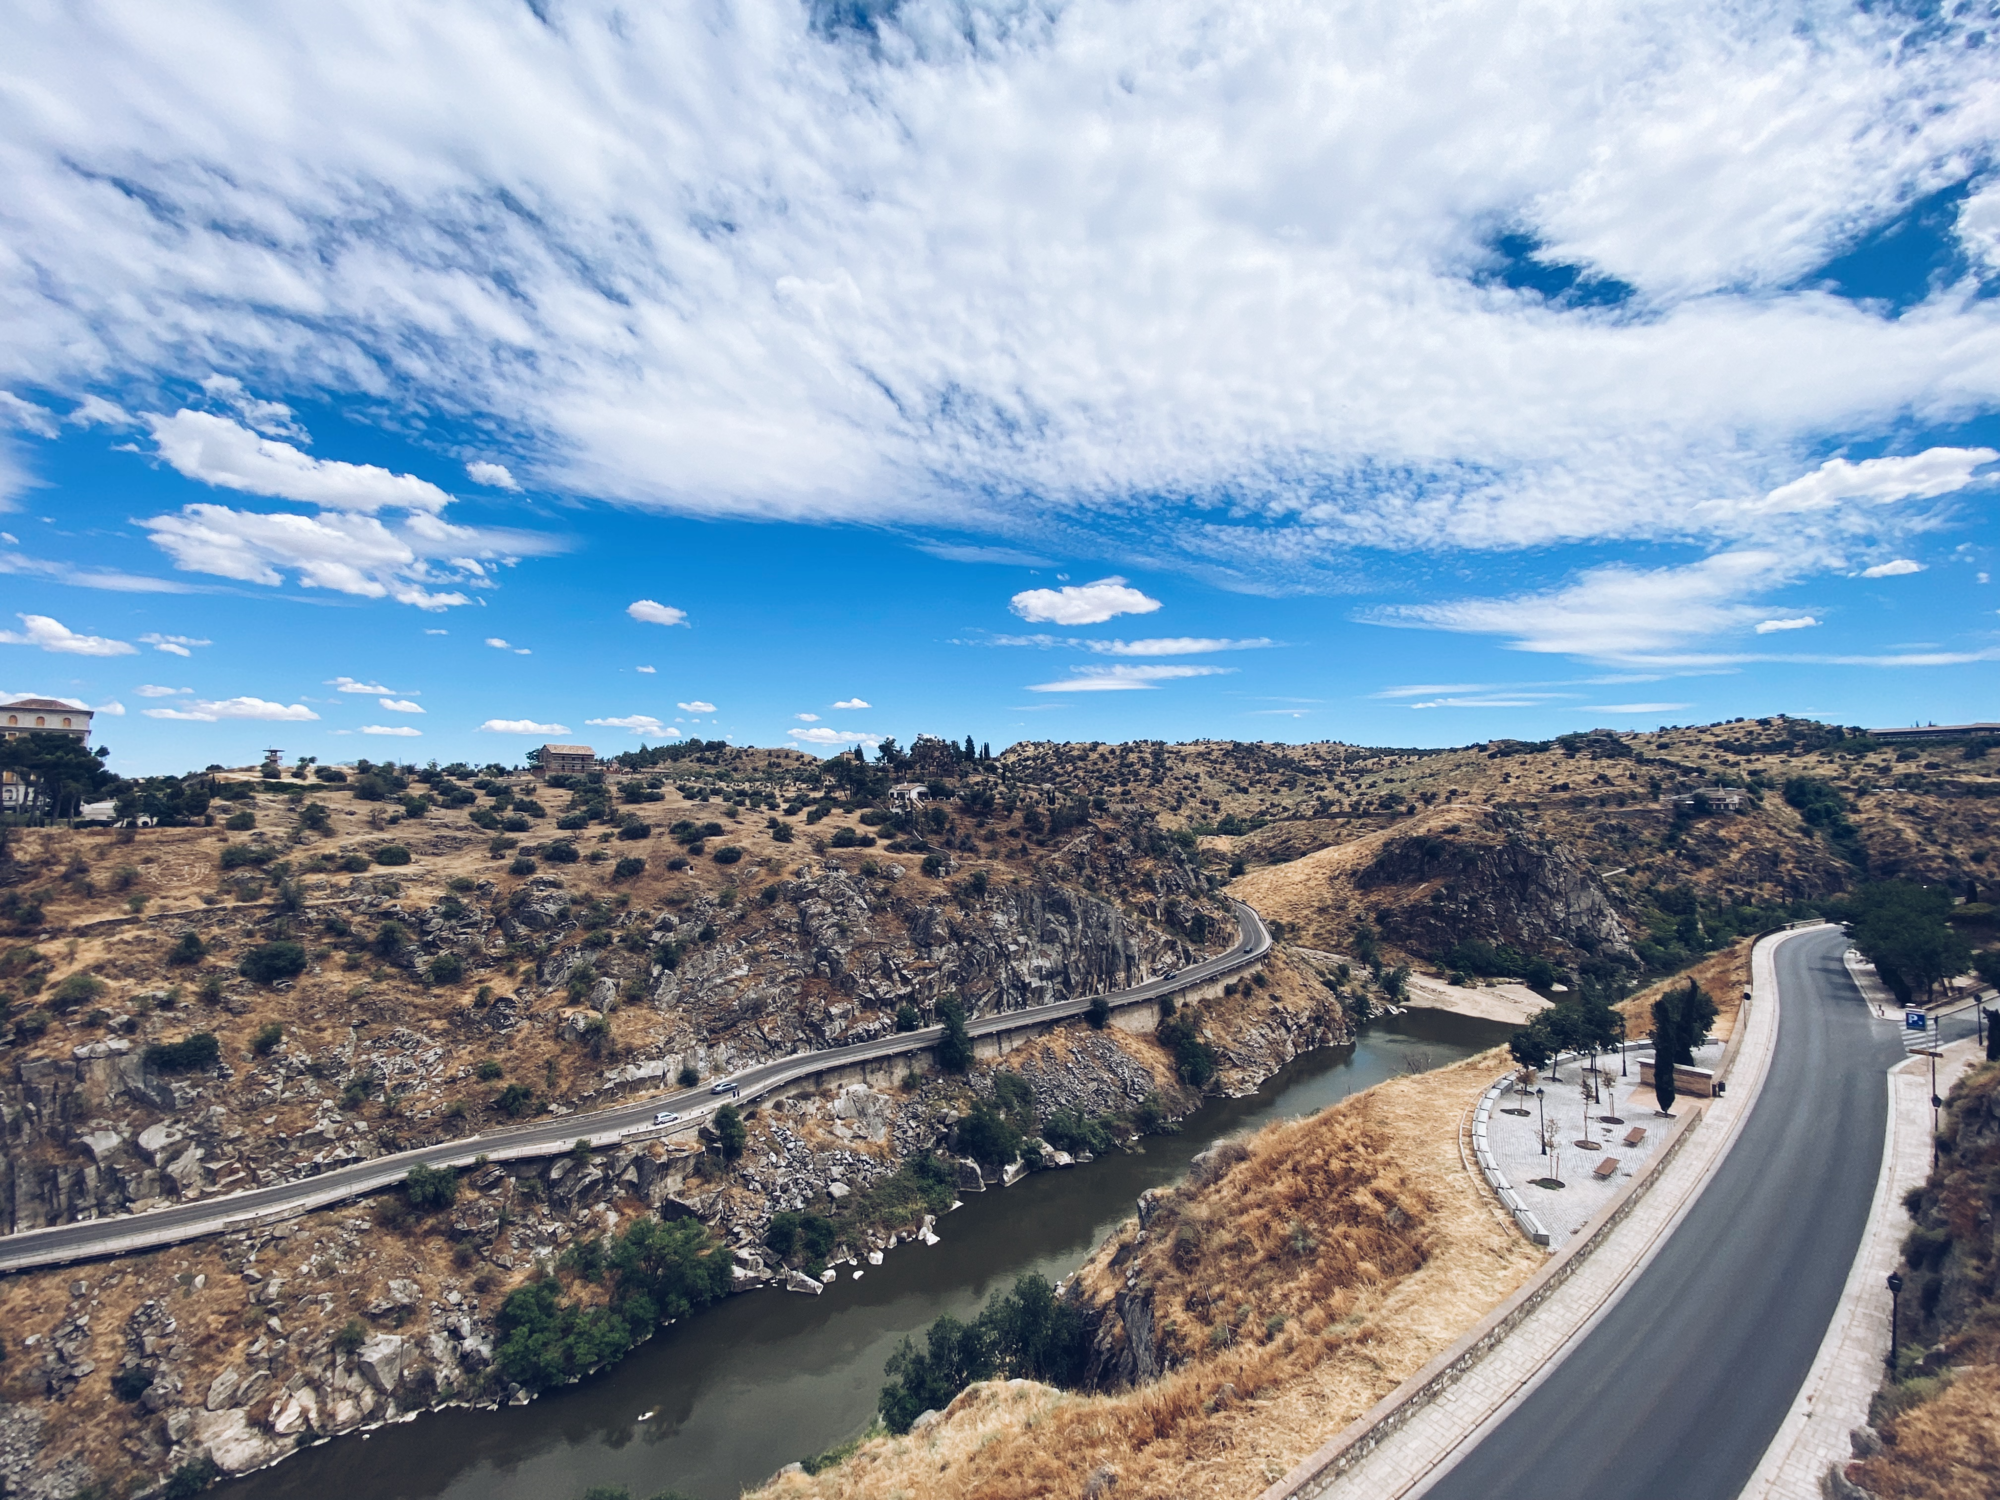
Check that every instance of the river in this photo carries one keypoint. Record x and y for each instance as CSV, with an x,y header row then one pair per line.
x,y
725,1398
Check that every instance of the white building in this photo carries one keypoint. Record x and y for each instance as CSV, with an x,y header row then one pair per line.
x,y
37,716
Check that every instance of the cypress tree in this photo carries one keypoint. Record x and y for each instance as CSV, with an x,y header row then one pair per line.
x,y
954,1048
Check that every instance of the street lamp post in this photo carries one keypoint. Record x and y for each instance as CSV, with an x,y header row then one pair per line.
x,y
1542,1123
1895,1300
1935,1102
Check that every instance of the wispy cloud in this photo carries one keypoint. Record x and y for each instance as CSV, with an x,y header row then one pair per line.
x,y
1010,557
208,712
521,726
1122,679
400,705
1800,622
643,725
1178,645
1634,708
696,706
175,645
823,735
1901,567
400,731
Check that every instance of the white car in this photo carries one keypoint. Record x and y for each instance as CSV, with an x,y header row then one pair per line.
x,y
665,1117
725,1087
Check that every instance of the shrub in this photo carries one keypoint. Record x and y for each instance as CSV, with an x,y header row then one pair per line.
x,y
513,1101
1194,1059
78,989
1098,1013
907,1018
391,939
236,856
954,1048
986,1137
561,852
130,1385
191,1479
268,963
728,854
628,868
351,1337
431,1188
354,864
731,1134
190,1054
634,828
32,1025
447,968
266,1041
522,865
933,865
392,854
808,1235
240,822
690,1075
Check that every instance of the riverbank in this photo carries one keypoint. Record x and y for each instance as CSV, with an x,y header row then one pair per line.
x,y
1289,1293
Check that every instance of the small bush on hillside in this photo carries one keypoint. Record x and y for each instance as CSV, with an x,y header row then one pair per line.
x,y
728,854
628,868
354,864
77,990
268,963
266,1041
447,968
236,856
431,1188
513,1101
522,865
690,1075
190,1054
489,1069
561,852
392,854
240,822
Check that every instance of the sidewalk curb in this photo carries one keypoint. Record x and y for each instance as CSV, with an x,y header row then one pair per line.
x,y
1337,1460
1839,1388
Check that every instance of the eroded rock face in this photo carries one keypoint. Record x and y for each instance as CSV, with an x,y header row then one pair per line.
x,y
1501,884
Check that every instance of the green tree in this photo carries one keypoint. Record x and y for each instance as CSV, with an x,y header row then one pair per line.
x,y
431,1188
513,1101
987,1137
187,949
1681,1020
955,1355
191,1054
954,1048
1905,930
1098,1013
730,1133
63,772
266,1041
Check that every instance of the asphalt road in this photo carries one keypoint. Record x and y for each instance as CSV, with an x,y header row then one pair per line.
x,y
185,1221
1680,1389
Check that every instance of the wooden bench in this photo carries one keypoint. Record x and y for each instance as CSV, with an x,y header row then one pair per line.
x,y
1635,1135
1605,1169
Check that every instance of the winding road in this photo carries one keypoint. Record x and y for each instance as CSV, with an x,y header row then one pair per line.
x,y
1681,1387
62,1243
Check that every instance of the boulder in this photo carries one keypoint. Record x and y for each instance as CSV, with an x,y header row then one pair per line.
x,y
381,1360
970,1178
157,1142
231,1441
297,1412
798,1281
404,1292
101,1144
222,1388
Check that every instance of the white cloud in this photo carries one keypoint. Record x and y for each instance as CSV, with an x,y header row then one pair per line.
x,y
643,725
400,705
853,703
696,706
1897,569
355,685
400,731
647,670
495,642
218,451
348,547
656,614
1008,557
1081,604
437,632
154,690
111,707
807,718
1122,679
206,712
1056,268
1634,708
1529,700
174,645
1614,611
521,726
95,411
826,736
1878,481
53,635
1178,645
495,475
1802,622
26,415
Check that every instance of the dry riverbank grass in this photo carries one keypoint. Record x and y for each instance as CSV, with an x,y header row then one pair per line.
x,y
1343,1251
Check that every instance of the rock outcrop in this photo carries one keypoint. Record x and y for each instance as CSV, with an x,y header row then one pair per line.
x,y
1500,883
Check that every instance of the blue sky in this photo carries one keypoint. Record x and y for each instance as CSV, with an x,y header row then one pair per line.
x,y
1020,370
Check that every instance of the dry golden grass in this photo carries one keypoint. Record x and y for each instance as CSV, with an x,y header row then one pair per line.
x,y
1405,1255
1723,974
1946,1449
1314,896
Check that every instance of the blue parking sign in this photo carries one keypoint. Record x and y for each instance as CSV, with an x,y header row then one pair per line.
x,y
1914,1020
